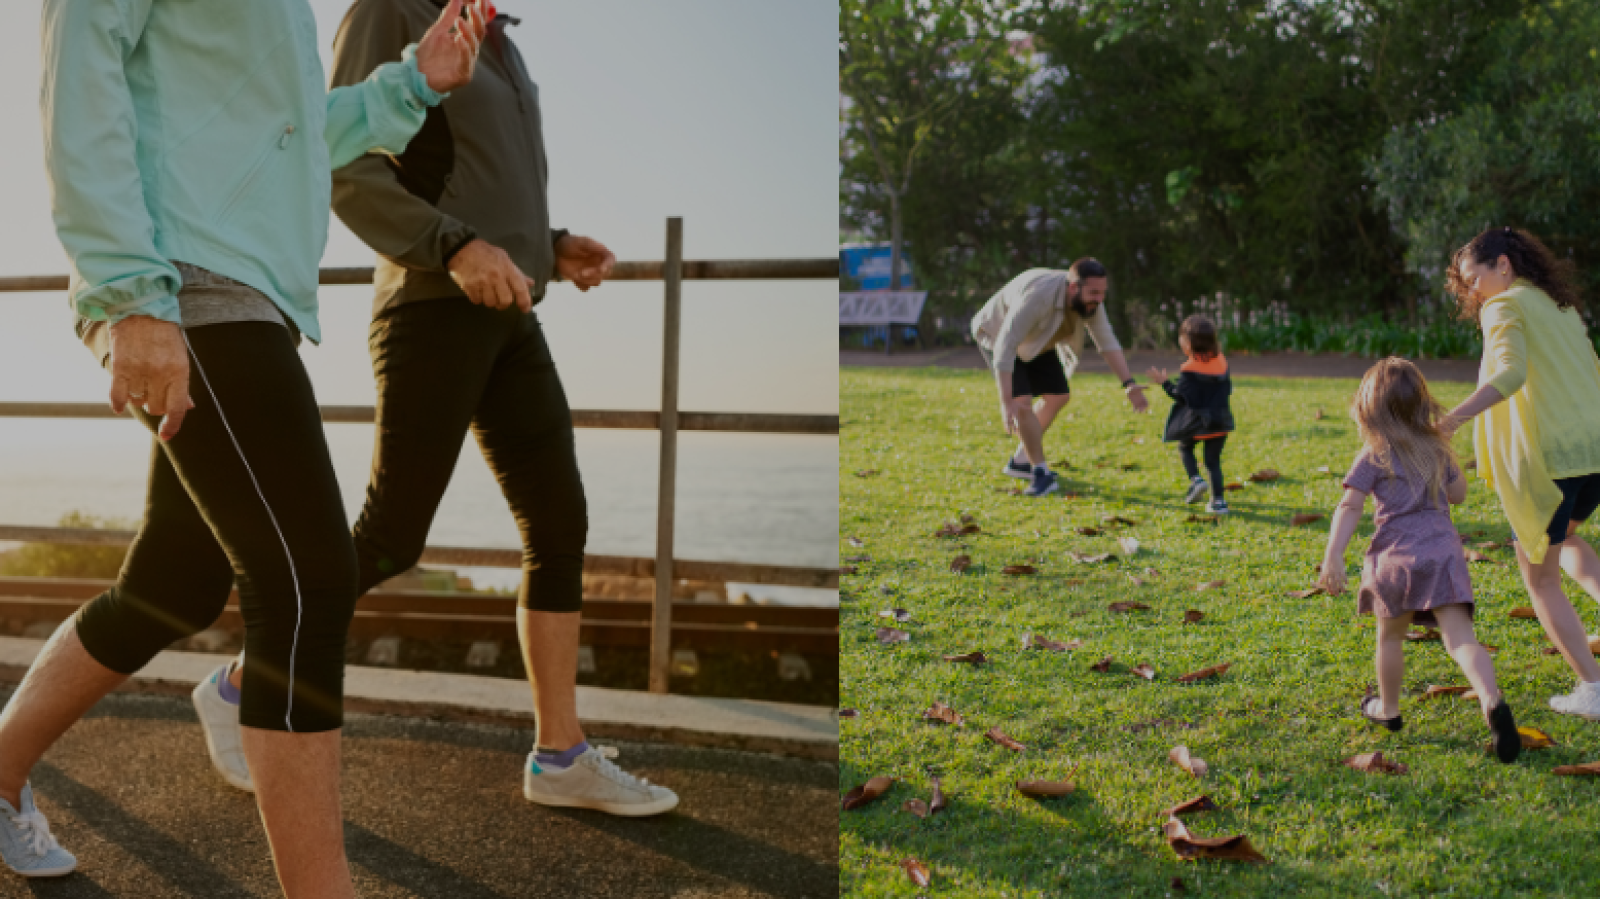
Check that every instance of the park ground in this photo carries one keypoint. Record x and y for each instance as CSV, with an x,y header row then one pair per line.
x,y
922,447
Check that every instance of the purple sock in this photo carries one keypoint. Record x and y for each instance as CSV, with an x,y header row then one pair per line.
x,y
225,687
560,760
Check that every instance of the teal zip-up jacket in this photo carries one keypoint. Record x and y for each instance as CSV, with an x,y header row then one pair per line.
x,y
203,132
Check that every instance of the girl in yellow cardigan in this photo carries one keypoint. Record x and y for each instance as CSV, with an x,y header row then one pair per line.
x,y
1537,429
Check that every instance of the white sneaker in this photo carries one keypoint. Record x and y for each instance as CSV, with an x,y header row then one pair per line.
x,y
1583,701
219,720
594,781
26,844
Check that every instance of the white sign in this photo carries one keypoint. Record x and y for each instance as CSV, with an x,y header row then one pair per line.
x,y
881,307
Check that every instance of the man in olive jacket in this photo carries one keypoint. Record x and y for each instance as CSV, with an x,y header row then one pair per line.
x,y
461,224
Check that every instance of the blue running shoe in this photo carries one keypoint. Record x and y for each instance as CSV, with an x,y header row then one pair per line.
x,y
1017,469
1044,483
1197,491
26,845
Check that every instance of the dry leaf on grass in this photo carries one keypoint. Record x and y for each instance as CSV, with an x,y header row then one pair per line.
x,y
1128,606
1145,671
1233,485
1018,570
1302,519
1085,559
1103,665
867,792
1198,804
1265,474
1129,466
1181,757
857,542
867,473
1534,738
916,807
1089,532
1490,544
1475,556
1210,585
998,736
960,563
1137,581
858,558
1151,572
967,519
847,569
1470,464
1374,763
1045,789
944,714
887,635
1193,616
1201,519
1551,651
900,615
1319,416
1307,593
1204,673
1189,847
936,803
970,658
1423,636
1118,519
1436,690
1523,612
1034,641
917,871
1587,769
1129,545
849,713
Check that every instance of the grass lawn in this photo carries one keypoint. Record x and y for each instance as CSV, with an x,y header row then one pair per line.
x,y
1273,728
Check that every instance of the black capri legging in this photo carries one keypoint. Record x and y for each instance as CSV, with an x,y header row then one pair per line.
x,y
446,365
245,493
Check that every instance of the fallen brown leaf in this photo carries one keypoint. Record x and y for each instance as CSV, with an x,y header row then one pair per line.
x,y
967,519
1234,485
1587,769
867,473
960,563
1181,757
1265,474
1103,665
1118,519
1534,738
1016,570
1551,651
1436,690
858,558
998,736
1423,636
1374,763
1045,789
943,713
1489,544
1129,545
916,807
1137,581
900,615
1193,616
1319,416
867,792
1210,585
1034,641
1204,673
847,569
1198,804
936,803
1189,847
1302,519
1129,466
1475,556
887,635
849,713
970,658
917,871
1523,612
1145,671
1471,464
1201,519
1152,572
1488,647
1128,606
1307,593
1085,559
1089,532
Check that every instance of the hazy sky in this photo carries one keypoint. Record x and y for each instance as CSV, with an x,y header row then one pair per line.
x,y
721,111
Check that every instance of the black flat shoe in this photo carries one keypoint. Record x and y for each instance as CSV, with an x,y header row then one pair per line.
x,y
1507,742
1391,724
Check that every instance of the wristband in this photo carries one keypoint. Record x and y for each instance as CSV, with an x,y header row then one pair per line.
x,y
1129,383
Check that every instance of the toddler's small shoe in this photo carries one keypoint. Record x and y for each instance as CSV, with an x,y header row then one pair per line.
x,y
1507,742
1044,482
1197,491
1583,701
1017,469
1369,704
1217,507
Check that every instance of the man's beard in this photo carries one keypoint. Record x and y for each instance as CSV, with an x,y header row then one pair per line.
x,y
1082,308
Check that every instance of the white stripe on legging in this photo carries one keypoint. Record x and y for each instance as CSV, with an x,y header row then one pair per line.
x,y
293,577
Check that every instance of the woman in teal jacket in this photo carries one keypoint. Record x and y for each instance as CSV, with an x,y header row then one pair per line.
x,y
190,149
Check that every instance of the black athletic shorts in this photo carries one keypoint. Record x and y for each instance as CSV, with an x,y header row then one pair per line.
x,y
1580,496
1044,375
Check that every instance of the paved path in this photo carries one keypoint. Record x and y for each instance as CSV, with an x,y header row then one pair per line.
x,y
432,809
1271,365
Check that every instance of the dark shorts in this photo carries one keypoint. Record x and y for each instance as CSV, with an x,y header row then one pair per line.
x,y
1580,496
1044,375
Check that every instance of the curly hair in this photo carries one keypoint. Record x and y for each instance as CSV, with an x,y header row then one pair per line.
x,y
1529,258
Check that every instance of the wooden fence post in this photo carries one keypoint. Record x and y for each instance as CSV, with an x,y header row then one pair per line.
x,y
666,503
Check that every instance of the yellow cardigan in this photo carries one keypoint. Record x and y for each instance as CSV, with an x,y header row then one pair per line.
x,y
1538,356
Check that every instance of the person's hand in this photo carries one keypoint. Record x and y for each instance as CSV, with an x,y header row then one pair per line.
x,y
1333,579
1135,394
1008,419
447,54
1158,375
489,278
583,260
1449,424
150,368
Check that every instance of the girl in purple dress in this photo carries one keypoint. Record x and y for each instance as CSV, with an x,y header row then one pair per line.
x,y
1415,571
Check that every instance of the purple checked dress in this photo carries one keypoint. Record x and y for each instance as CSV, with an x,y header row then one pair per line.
x,y
1415,562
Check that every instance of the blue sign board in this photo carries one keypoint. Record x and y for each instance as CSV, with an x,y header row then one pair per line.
x,y
869,266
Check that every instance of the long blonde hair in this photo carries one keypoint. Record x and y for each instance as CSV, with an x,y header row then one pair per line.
x,y
1399,420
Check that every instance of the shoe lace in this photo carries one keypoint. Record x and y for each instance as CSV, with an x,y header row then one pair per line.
x,y
36,831
609,770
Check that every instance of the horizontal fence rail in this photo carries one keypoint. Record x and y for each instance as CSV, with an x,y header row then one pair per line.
x,y
658,626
